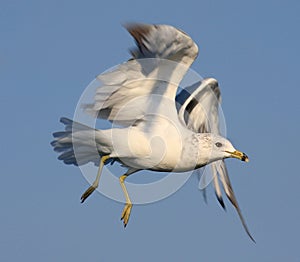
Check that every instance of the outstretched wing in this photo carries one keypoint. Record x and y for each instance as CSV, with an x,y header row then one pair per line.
x,y
159,62
199,111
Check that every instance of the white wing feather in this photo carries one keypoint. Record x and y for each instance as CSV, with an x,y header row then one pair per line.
x,y
200,112
162,57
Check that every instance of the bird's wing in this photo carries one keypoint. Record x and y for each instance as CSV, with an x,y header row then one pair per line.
x,y
198,107
159,62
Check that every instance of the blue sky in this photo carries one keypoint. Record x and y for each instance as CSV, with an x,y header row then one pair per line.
x,y
51,50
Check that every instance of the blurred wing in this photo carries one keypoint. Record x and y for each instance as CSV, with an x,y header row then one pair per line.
x,y
222,170
160,60
199,111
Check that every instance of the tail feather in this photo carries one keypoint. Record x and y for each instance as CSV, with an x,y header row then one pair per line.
x,y
80,144
61,133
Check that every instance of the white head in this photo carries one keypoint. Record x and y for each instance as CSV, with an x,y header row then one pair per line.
x,y
219,148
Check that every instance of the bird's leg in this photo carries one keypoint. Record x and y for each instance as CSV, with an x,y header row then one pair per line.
x,y
95,184
127,209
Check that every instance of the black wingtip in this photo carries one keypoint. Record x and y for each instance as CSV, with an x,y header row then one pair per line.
x,y
249,234
82,199
253,240
221,201
204,195
237,208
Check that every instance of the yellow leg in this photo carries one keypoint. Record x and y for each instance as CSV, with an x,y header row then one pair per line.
x,y
127,209
95,184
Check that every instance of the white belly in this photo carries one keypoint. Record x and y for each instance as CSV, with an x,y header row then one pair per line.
x,y
159,151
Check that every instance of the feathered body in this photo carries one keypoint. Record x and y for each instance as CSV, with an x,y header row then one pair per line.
x,y
160,130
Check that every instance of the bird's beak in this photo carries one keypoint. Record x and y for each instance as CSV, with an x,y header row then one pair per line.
x,y
239,155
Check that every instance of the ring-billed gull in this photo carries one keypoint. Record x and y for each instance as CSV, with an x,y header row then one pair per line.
x,y
140,96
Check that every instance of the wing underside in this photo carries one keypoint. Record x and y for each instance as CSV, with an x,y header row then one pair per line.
x,y
199,111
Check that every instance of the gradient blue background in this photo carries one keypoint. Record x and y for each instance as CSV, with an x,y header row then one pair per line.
x,y
51,50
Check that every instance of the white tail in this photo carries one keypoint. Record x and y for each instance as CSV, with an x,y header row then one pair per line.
x,y
80,144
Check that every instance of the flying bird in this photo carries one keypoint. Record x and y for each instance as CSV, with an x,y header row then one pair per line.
x,y
142,97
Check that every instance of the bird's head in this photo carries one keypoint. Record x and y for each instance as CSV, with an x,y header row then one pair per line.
x,y
221,148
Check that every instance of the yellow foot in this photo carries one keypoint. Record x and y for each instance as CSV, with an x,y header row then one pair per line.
x,y
87,193
126,213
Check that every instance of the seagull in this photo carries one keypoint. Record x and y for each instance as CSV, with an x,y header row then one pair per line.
x,y
157,126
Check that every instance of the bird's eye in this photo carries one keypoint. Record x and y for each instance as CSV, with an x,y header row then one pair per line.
x,y
218,144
